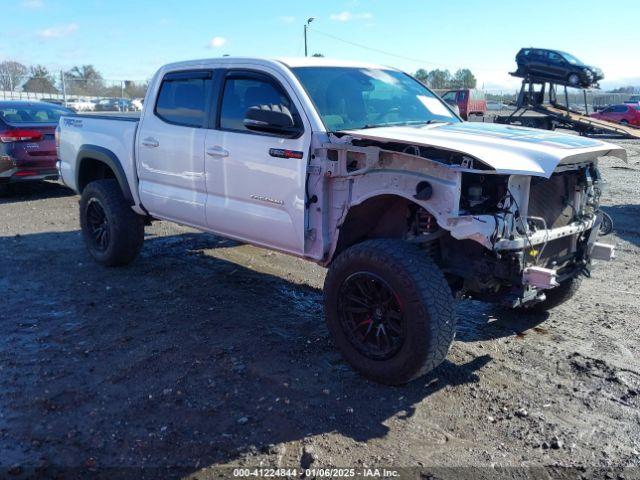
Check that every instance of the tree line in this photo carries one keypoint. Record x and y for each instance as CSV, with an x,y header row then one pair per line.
x,y
627,89
80,80
444,79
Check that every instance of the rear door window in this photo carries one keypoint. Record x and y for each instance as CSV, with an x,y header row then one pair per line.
x,y
184,98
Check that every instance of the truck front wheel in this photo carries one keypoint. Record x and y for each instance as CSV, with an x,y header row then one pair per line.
x,y
389,309
112,231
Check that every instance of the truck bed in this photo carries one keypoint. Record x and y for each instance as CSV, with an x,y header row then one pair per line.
x,y
114,134
125,116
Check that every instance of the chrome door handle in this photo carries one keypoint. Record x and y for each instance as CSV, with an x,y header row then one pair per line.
x,y
150,142
217,151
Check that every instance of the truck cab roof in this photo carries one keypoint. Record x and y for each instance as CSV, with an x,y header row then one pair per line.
x,y
290,62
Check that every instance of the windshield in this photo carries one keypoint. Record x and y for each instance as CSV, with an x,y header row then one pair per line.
x,y
32,113
353,98
571,59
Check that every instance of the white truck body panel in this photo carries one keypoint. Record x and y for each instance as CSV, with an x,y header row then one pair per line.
x,y
111,133
505,148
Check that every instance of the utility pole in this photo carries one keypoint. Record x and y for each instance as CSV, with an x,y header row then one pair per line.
x,y
306,26
64,88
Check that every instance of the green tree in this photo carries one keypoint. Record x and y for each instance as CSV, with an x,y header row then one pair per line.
x,y
40,80
463,78
439,79
422,75
628,89
84,80
11,74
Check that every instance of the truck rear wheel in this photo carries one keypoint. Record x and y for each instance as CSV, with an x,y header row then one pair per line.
x,y
389,309
112,231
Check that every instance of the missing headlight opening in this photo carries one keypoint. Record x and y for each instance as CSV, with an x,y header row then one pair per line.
x,y
483,194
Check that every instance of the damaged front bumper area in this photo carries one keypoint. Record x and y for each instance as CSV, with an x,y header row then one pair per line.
x,y
545,234
518,276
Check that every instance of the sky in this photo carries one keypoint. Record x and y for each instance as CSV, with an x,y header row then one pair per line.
x,y
130,39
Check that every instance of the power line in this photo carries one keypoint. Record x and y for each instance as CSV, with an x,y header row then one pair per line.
x,y
403,57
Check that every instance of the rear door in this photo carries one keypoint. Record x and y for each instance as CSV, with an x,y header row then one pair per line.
x,y
621,113
256,181
537,62
170,149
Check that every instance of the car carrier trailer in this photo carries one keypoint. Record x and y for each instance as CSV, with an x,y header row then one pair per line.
x,y
532,111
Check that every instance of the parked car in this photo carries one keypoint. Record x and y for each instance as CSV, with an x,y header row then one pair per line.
x,y
468,100
136,103
556,66
358,168
626,114
81,105
634,99
27,145
114,105
493,105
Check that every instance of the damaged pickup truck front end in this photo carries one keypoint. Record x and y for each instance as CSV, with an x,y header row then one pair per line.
x,y
507,213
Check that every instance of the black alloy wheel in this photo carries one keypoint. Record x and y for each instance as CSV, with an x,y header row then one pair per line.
x,y
98,225
371,316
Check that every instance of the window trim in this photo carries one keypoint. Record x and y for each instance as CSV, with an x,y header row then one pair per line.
x,y
204,74
243,73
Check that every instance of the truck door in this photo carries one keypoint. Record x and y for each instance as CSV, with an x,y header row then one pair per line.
x,y
462,100
256,181
170,149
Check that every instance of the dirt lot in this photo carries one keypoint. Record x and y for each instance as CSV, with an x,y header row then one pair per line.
x,y
205,353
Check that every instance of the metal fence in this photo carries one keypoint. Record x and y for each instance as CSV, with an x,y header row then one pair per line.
x,y
66,89
576,98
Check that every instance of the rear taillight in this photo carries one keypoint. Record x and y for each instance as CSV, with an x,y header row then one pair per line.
x,y
57,136
20,135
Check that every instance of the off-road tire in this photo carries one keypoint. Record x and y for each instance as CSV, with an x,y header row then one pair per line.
x,y
556,296
574,80
125,227
429,320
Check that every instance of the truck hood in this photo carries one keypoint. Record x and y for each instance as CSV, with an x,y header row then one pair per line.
x,y
505,148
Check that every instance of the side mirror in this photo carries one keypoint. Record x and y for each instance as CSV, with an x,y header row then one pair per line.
x,y
270,119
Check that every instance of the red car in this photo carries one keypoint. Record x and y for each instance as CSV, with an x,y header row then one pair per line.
x,y
27,143
626,114
468,100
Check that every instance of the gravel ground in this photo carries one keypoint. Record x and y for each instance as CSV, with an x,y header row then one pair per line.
x,y
205,352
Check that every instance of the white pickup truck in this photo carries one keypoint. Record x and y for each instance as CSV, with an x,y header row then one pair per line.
x,y
356,167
